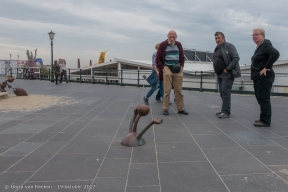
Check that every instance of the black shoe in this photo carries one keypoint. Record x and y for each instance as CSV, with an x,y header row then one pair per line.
x,y
145,99
165,112
56,83
260,124
183,112
218,113
223,116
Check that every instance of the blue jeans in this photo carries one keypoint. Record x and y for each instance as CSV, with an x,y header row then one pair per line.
x,y
152,90
160,92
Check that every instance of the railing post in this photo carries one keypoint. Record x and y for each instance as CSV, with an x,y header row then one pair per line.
x,y
69,74
92,76
40,75
201,82
17,73
49,75
80,77
106,76
10,71
121,77
138,79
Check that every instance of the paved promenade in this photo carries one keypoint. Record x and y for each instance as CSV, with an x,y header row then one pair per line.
x,y
76,147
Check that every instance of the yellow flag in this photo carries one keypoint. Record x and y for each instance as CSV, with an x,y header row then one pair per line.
x,y
102,57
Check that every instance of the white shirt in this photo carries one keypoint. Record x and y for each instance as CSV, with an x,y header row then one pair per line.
x,y
62,67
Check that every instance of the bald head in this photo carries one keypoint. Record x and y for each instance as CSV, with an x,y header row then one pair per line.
x,y
172,32
172,36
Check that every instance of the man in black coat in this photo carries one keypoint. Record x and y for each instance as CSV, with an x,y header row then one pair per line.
x,y
226,66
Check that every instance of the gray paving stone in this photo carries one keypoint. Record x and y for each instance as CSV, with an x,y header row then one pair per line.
x,y
202,128
189,176
281,141
249,138
255,182
114,168
234,161
172,135
22,149
214,141
282,171
62,167
30,163
175,152
144,154
119,152
80,144
143,189
50,147
41,137
8,161
27,128
143,175
10,140
116,184
10,124
13,181
270,155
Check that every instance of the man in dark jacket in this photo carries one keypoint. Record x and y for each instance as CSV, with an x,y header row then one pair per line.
x,y
263,75
170,55
226,66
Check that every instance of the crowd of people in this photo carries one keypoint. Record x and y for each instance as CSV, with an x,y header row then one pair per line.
x,y
168,65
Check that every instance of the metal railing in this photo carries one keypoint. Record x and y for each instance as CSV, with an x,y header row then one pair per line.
x,y
196,81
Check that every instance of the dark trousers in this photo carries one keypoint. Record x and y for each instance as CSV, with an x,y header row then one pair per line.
x,y
160,92
262,88
225,86
65,75
56,78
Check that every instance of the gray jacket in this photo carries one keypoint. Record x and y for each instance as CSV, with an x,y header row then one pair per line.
x,y
231,59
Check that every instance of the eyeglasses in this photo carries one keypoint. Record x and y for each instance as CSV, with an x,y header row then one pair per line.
x,y
255,35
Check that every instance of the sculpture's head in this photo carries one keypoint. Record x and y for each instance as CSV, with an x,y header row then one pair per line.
x,y
10,79
143,110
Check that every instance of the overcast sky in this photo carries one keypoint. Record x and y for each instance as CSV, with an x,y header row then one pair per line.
x,y
129,29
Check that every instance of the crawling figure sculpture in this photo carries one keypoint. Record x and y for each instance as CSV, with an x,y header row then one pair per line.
x,y
133,139
4,84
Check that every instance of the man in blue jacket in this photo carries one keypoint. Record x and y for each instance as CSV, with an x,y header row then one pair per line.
x,y
226,66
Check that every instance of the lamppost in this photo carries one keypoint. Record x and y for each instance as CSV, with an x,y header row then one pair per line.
x,y
10,68
51,36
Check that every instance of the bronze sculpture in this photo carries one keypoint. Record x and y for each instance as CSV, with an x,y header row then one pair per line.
x,y
4,84
20,92
17,91
133,139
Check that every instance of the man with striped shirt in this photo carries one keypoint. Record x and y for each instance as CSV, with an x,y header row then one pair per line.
x,y
170,52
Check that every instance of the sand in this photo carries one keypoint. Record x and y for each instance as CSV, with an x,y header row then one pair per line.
x,y
33,102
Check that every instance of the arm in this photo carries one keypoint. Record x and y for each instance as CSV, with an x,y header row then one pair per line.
x,y
233,56
154,63
159,62
181,54
273,56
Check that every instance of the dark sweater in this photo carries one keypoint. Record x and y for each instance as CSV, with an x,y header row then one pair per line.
x,y
218,61
264,57
160,57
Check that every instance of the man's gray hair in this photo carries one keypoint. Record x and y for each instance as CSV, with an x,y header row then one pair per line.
x,y
219,33
261,30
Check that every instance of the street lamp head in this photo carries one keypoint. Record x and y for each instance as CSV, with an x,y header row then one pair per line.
x,y
51,35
